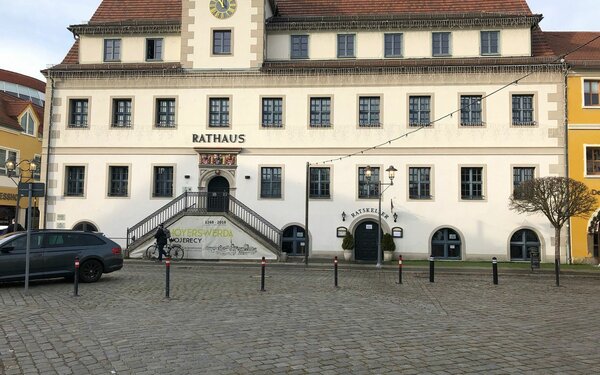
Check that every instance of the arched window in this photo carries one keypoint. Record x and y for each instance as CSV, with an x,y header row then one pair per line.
x,y
520,243
446,244
85,226
293,241
28,124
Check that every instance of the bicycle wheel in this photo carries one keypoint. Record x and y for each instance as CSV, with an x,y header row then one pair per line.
x,y
177,252
151,252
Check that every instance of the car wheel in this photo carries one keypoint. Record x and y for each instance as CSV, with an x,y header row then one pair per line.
x,y
90,271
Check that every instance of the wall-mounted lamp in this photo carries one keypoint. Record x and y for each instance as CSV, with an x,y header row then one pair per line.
x,y
343,216
218,172
187,176
247,177
395,217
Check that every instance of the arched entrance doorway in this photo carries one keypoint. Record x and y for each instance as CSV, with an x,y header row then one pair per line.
x,y
218,195
521,242
365,241
85,226
293,241
446,244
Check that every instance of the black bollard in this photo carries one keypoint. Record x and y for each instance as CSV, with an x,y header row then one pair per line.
x,y
557,271
400,269
495,270
168,278
335,272
263,264
76,279
431,269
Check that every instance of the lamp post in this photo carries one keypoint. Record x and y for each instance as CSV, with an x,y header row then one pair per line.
x,y
368,175
23,166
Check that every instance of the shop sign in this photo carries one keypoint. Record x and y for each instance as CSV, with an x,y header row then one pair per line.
x,y
375,211
8,196
595,192
219,138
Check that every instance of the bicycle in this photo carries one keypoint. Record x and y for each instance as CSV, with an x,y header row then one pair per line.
x,y
174,251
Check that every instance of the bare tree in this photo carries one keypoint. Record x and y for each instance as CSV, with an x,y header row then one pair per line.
x,y
559,198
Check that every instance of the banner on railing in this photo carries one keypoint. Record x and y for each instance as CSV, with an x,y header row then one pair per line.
x,y
215,237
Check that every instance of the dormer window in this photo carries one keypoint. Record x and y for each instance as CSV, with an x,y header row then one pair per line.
x,y
440,43
490,42
112,50
28,124
154,49
393,45
299,47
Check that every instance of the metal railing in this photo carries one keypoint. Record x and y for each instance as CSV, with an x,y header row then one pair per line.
x,y
205,203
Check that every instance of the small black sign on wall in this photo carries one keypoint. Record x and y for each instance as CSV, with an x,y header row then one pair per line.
x,y
534,253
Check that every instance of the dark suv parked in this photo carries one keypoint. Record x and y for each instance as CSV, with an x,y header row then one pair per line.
x,y
52,254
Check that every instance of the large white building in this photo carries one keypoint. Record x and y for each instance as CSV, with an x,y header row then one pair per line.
x,y
205,113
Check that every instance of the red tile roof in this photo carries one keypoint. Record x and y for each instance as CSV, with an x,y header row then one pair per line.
x,y
12,107
111,11
565,42
539,44
73,55
294,8
22,80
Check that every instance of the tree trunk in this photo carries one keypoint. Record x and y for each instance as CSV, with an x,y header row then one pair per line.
x,y
557,254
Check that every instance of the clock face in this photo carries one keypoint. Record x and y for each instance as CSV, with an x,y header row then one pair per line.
x,y
222,8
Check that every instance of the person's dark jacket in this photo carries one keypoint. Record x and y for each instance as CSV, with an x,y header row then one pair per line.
x,y
161,237
14,228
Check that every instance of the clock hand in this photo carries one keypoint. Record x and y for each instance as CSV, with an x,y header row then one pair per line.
x,y
222,5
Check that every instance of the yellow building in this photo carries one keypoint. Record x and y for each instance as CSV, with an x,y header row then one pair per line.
x,y
21,128
583,115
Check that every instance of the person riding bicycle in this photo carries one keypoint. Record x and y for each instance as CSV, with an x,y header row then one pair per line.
x,y
161,241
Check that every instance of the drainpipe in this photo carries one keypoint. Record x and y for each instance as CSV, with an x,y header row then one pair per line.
x,y
48,148
566,122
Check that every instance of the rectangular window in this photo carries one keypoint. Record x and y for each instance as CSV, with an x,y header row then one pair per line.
x,y
270,182
6,155
320,112
222,42
368,112
592,157
470,110
345,43
154,49
522,110
471,183
38,172
419,183
393,45
320,183
27,123
118,181
219,113
121,113
272,112
489,42
419,111
165,113
590,93
78,113
522,174
75,182
368,189
299,47
112,50
163,182
440,43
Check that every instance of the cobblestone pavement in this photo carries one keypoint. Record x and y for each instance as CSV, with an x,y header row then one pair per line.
x,y
218,322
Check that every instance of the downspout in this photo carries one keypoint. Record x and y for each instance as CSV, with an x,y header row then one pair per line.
x,y
48,147
566,122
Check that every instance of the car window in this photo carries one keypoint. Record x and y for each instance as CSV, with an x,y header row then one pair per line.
x,y
54,240
20,243
91,240
72,239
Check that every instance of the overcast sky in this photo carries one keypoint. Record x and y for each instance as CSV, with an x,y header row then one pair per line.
x,y
34,35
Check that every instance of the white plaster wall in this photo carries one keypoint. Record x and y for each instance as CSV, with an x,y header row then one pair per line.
x,y
133,48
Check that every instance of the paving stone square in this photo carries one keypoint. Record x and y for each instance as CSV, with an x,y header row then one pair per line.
x,y
217,321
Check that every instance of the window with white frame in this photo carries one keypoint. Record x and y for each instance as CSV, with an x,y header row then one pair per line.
x,y
37,159
6,155
591,95
592,161
28,123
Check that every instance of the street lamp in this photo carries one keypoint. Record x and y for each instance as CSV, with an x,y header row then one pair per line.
x,y
368,175
24,166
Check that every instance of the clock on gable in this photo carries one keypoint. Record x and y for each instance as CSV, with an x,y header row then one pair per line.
x,y
222,8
